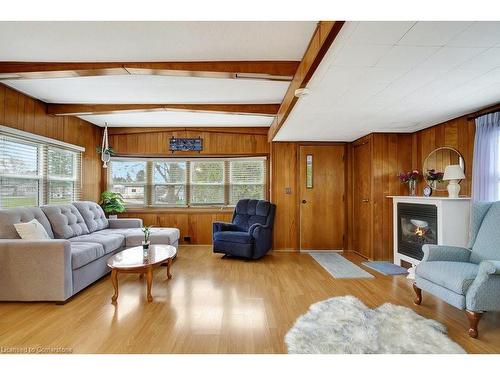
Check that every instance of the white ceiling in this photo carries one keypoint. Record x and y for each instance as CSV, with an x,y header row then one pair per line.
x,y
153,41
177,118
398,77
134,89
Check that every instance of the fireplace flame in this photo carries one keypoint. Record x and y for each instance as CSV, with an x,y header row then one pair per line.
x,y
419,232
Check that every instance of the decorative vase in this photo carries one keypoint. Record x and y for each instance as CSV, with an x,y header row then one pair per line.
x,y
112,217
145,248
412,187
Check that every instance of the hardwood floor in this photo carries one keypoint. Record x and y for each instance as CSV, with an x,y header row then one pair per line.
x,y
215,305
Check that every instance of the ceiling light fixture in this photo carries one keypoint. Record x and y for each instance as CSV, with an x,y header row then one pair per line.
x,y
300,93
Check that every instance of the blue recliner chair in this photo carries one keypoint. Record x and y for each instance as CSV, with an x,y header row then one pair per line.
x,y
467,278
250,234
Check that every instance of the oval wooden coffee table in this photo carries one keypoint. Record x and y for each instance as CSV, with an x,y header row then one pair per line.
x,y
133,261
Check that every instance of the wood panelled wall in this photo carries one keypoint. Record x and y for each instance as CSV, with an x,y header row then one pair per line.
x,y
393,153
390,153
216,141
193,222
457,133
284,174
24,113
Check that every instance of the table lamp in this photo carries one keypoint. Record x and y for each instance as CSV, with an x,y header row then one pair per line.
x,y
453,173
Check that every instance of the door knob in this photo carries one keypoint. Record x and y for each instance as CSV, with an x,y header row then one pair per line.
x,y
304,201
366,200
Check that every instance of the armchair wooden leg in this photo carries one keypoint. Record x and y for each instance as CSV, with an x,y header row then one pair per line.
x,y
474,318
418,292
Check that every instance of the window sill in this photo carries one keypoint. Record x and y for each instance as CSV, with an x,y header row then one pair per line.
x,y
183,210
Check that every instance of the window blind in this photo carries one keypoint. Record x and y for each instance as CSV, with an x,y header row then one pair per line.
x,y
34,172
247,180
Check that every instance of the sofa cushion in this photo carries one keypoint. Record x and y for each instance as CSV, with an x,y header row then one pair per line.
x,y
229,236
65,220
455,276
135,236
32,230
11,216
83,253
110,241
92,214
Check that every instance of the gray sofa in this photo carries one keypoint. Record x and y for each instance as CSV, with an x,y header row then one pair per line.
x,y
82,240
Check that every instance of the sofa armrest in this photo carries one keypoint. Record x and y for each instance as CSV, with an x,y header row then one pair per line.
x,y
445,253
35,270
124,223
219,226
256,229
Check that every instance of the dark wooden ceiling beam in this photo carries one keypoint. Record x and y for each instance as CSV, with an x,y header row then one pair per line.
x,y
484,111
276,70
94,109
322,39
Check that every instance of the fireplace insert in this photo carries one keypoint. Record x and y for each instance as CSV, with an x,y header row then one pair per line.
x,y
417,226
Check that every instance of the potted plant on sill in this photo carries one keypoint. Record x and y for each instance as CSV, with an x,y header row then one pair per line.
x,y
112,203
411,179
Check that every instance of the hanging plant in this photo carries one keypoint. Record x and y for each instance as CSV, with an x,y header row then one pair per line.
x,y
105,150
109,151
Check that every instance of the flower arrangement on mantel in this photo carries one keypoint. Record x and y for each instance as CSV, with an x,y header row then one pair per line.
x,y
406,177
411,179
432,177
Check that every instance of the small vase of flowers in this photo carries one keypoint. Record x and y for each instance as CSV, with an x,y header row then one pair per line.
x,y
145,244
411,179
433,177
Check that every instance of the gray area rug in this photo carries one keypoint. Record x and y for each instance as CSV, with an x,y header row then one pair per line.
x,y
339,267
344,325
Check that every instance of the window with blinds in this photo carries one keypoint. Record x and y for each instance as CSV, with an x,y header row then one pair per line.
x,y
128,177
188,182
207,182
35,172
169,180
247,180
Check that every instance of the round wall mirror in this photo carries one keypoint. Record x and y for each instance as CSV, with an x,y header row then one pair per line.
x,y
438,160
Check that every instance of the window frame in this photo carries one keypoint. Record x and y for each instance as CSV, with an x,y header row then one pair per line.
x,y
222,184
43,178
154,185
150,191
144,184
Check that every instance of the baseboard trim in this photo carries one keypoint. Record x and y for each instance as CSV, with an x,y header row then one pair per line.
x,y
321,251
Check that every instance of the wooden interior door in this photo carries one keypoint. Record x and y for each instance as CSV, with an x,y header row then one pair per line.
x,y
362,205
322,208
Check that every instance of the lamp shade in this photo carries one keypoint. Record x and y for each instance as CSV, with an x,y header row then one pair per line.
x,y
453,172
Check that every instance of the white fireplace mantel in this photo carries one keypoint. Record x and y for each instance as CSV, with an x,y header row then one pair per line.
x,y
452,221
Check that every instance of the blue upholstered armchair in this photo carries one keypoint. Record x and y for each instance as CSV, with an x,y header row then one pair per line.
x,y
467,278
250,233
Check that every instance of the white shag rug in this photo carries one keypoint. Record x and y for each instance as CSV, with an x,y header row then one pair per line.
x,y
344,325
